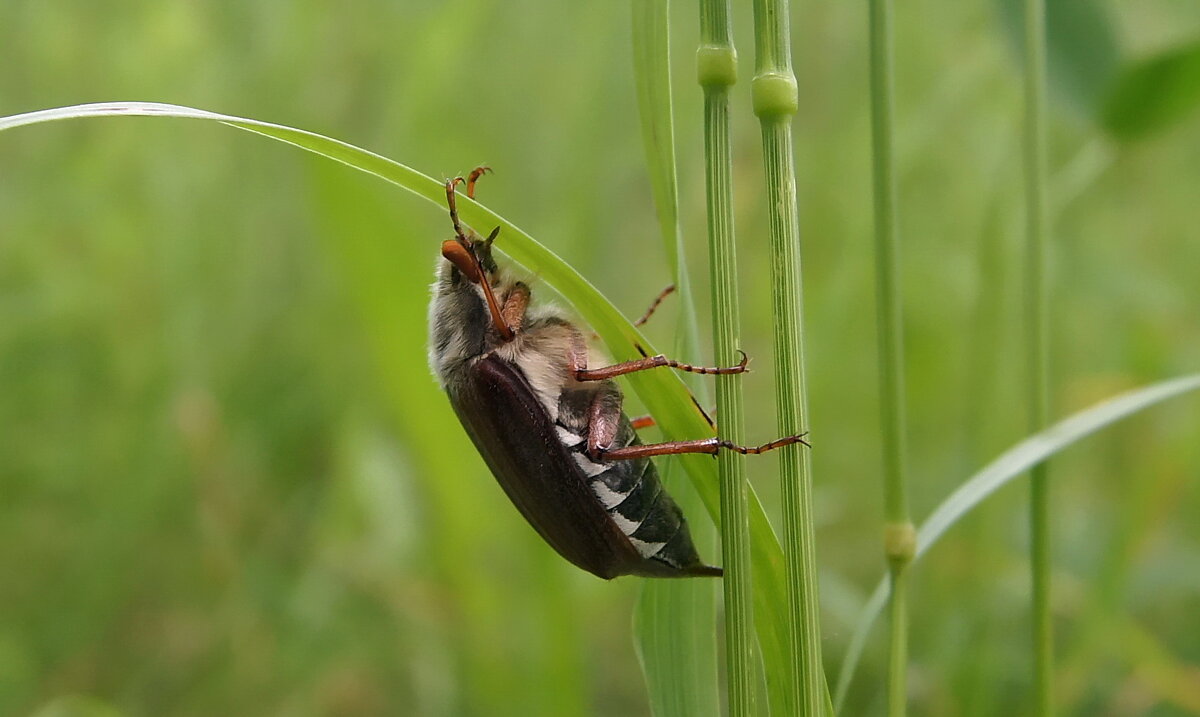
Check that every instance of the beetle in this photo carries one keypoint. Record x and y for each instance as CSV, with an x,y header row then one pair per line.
x,y
552,429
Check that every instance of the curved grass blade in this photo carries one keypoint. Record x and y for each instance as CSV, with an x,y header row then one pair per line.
x,y
1011,464
663,392
674,620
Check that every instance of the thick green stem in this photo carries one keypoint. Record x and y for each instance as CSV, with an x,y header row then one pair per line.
x,y
775,102
1037,326
716,72
888,314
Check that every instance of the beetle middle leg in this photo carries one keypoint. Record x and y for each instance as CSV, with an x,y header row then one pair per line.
x,y
577,364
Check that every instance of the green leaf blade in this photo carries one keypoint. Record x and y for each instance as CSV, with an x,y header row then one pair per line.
x,y
1154,94
663,393
1008,466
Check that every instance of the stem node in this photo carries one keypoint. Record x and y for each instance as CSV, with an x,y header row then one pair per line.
x,y
775,95
899,543
716,66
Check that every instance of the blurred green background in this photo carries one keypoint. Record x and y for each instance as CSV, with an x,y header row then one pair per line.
x,y
229,485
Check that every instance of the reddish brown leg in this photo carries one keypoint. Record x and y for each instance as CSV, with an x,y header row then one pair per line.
x,y
473,177
654,305
604,419
450,202
513,311
467,261
640,422
710,446
644,364
452,184
650,311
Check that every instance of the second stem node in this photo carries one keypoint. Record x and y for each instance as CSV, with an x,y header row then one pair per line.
x,y
775,94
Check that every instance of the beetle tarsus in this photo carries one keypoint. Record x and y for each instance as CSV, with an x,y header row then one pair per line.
x,y
450,202
777,443
474,177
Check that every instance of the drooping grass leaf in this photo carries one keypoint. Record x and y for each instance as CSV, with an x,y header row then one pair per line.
x,y
1152,94
663,393
1011,464
674,620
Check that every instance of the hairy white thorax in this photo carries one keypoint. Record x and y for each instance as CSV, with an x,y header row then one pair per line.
x,y
461,332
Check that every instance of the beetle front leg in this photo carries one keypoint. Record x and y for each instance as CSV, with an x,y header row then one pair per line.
x,y
515,304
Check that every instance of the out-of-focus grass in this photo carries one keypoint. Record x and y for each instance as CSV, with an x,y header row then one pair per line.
x,y
228,485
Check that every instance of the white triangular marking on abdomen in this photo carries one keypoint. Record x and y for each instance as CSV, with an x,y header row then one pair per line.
x,y
609,498
646,550
589,467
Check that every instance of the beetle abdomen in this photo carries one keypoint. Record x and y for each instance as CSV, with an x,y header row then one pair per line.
x,y
636,502
608,518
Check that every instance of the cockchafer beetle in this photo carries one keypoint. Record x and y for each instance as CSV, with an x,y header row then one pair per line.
x,y
550,428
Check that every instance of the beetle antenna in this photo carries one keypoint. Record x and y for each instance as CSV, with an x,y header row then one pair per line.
x,y
491,237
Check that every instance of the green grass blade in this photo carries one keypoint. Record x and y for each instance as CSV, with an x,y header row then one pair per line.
x,y
674,619
1083,52
1154,94
1011,464
663,392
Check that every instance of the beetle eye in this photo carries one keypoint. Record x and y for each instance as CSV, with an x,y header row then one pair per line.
x,y
461,258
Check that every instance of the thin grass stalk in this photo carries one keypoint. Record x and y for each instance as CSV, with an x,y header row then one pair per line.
x,y
775,103
899,533
898,640
1038,342
717,72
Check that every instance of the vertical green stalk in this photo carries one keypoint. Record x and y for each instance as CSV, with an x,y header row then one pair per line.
x,y
775,103
899,534
1037,326
716,70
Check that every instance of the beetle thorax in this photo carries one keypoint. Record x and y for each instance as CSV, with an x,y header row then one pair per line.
x,y
461,331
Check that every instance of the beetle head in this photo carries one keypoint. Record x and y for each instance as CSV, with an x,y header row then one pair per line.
x,y
472,257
